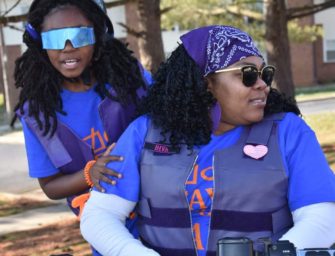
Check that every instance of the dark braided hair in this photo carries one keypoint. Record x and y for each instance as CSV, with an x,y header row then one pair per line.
x,y
278,102
41,83
178,102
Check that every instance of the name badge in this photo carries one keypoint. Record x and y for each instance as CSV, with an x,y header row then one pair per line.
x,y
161,149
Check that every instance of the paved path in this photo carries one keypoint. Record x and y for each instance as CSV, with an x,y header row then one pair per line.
x,y
35,218
14,167
317,106
15,183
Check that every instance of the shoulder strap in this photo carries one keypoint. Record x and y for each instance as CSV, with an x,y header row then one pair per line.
x,y
55,149
260,132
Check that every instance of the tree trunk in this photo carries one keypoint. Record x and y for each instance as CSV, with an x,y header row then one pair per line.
x,y
132,21
150,42
277,45
8,55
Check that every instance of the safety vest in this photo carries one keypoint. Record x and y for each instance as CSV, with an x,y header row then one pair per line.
x,y
250,195
66,150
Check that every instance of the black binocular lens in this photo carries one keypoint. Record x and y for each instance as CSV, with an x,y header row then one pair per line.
x,y
234,247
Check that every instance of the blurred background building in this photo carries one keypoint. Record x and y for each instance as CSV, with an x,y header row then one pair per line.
x,y
313,63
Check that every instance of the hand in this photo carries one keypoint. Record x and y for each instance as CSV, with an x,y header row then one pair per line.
x,y
99,170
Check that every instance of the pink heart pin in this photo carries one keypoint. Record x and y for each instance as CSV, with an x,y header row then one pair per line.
x,y
255,152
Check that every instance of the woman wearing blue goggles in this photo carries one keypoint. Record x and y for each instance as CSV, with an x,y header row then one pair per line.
x,y
56,39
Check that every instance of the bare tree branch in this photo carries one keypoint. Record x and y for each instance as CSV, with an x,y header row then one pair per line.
x,y
244,12
250,1
17,18
10,9
12,19
117,3
23,17
235,10
131,31
299,12
167,9
15,28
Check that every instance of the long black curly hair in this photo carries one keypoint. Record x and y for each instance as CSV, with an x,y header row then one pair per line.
x,y
179,103
41,83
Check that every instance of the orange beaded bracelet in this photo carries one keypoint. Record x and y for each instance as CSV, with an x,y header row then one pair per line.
x,y
87,175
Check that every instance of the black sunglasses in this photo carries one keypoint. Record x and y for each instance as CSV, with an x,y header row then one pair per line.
x,y
250,74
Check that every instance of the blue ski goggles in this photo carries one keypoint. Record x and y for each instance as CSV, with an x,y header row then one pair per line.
x,y
78,36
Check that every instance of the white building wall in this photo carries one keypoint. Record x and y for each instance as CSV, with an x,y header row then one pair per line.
x,y
170,40
326,18
117,15
12,36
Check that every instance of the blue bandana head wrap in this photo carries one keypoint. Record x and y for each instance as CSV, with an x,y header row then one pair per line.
x,y
217,47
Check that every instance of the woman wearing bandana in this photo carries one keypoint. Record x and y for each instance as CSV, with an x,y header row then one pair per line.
x,y
80,88
218,153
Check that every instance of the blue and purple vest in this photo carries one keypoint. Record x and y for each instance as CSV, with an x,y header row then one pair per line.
x,y
66,150
250,195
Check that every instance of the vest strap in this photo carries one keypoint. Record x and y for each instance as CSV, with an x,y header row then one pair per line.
x,y
251,221
165,217
241,221
55,149
260,133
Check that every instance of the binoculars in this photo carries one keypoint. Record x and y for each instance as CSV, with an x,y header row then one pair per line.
x,y
243,246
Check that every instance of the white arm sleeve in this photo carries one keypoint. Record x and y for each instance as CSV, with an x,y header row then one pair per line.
x,y
102,225
314,226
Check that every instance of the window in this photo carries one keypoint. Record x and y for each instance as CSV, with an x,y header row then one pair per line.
x,y
330,50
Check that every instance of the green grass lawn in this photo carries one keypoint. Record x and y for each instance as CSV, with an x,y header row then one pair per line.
x,y
324,126
1,103
315,92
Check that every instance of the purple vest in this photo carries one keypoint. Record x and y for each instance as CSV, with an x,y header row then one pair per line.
x,y
250,197
67,151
